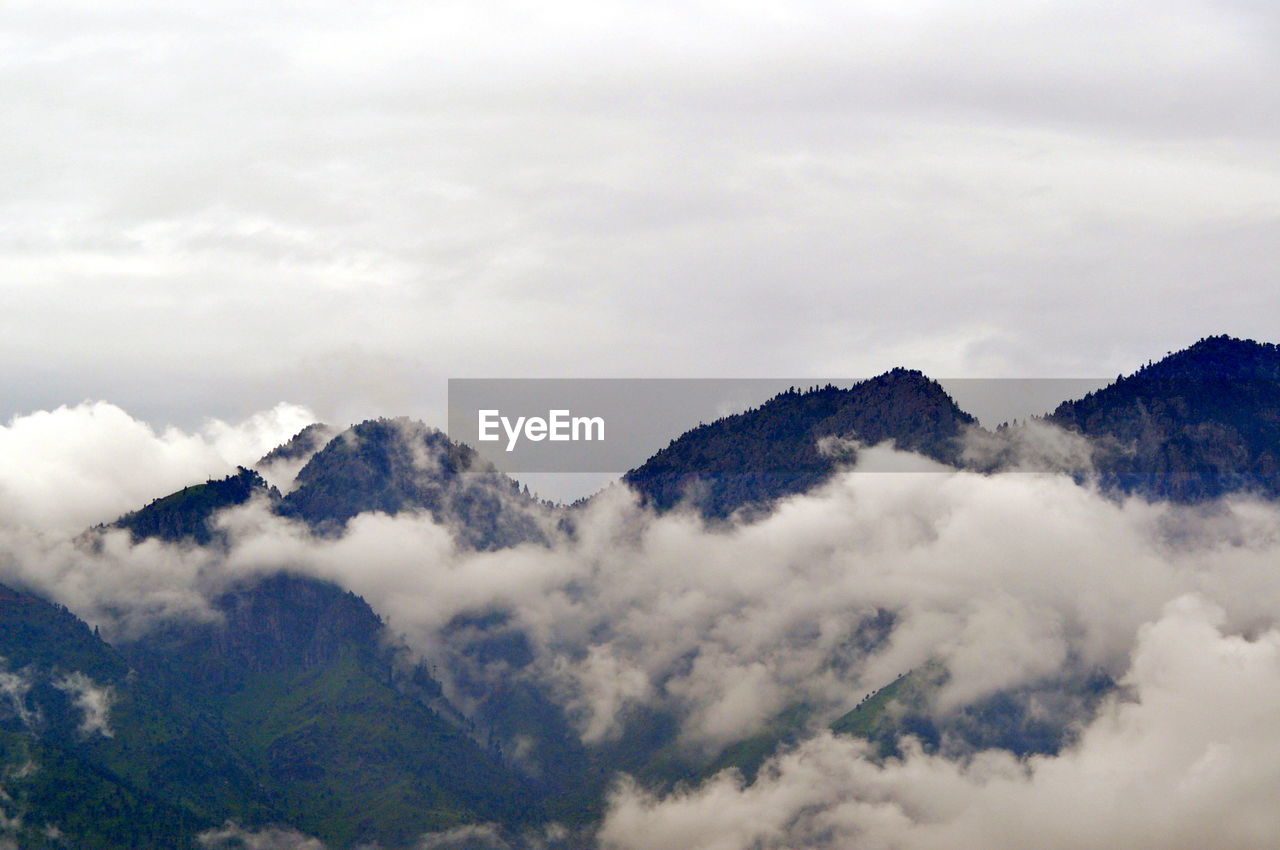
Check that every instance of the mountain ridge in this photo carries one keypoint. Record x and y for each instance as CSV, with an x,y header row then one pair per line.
x,y
298,684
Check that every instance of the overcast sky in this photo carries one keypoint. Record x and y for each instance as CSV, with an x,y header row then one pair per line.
x,y
209,208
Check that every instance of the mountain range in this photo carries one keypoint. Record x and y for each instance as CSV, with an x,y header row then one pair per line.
x,y
296,705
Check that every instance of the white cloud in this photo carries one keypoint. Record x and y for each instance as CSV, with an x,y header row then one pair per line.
x,y
1010,580
65,469
233,835
473,837
14,688
110,582
214,206
93,700
1187,760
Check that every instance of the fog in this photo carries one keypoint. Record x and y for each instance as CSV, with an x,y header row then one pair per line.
x,y
1011,580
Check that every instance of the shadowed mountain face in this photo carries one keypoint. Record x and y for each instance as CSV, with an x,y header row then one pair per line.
x,y
1200,423
777,449
334,733
108,757
281,465
1027,720
292,708
344,738
301,446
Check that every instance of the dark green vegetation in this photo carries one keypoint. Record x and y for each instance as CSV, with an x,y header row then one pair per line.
x,y
147,777
382,465
342,735
185,515
751,458
749,755
291,705
290,709
1200,423
60,799
1037,718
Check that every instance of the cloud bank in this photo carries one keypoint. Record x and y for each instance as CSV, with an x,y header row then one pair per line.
x,y
1187,758
65,469
1008,580
218,203
1015,583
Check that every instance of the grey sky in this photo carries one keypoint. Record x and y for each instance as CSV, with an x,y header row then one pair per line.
x,y
209,208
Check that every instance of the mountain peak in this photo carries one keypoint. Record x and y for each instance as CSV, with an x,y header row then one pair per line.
x,y
753,457
185,515
1216,357
396,465
1201,422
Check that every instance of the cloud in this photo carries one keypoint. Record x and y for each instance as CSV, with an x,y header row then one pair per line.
x,y
474,837
65,469
92,699
1184,759
282,470
491,837
1030,446
110,582
218,202
232,835
1009,580
14,688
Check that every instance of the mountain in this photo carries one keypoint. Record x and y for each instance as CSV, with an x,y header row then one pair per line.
x,y
334,731
185,515
1200,423
751,458
345,737
281,465
94,755
300,447
397,465
1032,719
390,466
293,706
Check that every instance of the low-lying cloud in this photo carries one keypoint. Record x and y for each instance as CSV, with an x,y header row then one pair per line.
x,y
1187,757
14,688
1010,581
232,835
93,700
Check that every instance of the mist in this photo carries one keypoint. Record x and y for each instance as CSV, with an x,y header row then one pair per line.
x,y
1016,580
